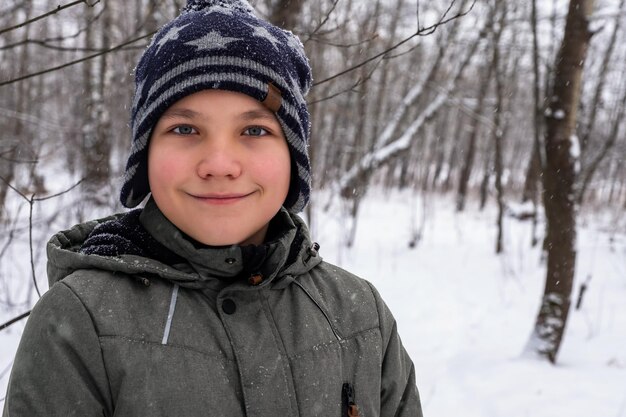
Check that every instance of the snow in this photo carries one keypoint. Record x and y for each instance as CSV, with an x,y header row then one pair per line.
x,y
574,151
465,314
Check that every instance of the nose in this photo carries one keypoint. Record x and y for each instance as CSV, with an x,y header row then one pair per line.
x,y
219,158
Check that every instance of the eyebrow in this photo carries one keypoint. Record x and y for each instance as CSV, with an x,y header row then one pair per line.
x,y
257,114
184,113
246,116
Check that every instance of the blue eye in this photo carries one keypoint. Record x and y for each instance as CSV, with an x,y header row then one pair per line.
x,y
184,130
255,131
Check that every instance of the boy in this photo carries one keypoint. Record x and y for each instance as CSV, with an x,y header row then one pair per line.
x,y
211,300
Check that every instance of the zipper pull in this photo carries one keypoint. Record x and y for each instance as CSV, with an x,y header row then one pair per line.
x,y
349,407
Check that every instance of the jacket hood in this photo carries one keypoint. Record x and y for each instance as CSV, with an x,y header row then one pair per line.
x,y
289,254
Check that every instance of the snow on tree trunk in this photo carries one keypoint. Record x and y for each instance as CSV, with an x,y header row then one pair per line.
x,y
562,165
96,146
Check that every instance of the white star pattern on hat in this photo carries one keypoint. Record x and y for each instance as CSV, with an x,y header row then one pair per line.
x,y
261,32
171,35
212,40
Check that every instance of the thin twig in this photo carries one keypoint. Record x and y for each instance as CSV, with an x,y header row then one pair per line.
x,y
322,22
420,32
60,193
345,45
31,202
68,64
7,243
358,82
58,38
14,320
45,44
13,188
51,12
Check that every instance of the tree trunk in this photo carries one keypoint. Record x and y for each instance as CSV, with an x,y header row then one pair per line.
x,y
484,184
596,104
607,144
11,149
285,13
96,148
535,164
470,152
559,178
498,129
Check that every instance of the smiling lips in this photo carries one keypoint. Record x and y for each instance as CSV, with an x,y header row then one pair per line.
x,y
221,199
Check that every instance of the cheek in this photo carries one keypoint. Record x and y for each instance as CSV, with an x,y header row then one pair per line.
x,y
275,169
164,166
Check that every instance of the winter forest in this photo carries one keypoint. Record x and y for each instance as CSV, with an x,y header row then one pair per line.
x,y
469,158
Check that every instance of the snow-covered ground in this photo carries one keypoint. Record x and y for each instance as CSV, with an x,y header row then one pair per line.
x,y
465,314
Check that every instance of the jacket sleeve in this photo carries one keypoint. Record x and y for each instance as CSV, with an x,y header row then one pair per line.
x,y
58,369
398,396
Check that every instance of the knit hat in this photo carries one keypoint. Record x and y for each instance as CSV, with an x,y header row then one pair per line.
x,y
221,44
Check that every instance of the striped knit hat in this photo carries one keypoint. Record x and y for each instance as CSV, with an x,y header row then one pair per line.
x,y
221,44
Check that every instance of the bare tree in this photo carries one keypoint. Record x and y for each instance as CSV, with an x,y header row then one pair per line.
x,y
590,161
475,125
498,119
562,156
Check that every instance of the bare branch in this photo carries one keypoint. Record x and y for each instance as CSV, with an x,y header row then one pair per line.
x,y
357,83
420,32
14,320
345,45
13,188
31,203
322,22
78,61
383,155
51,12
60,193
46,41
45,44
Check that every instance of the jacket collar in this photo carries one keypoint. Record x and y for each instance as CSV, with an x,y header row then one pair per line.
x,y
288,255
227,263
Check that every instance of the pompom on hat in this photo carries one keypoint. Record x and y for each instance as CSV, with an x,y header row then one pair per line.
x,y
221,44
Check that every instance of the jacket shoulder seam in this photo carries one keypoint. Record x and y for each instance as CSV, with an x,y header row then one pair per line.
x,y
83,305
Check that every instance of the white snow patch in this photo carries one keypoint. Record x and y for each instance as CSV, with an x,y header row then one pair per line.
x,y
574,151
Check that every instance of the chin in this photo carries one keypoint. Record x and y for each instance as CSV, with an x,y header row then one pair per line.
x,y
225,238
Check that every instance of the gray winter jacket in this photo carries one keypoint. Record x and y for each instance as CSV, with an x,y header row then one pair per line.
x,y
131,336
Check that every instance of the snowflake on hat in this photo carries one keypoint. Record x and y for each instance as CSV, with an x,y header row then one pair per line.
x,y
241,6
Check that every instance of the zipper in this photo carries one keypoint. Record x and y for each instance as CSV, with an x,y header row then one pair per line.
x,y
348,406
330,323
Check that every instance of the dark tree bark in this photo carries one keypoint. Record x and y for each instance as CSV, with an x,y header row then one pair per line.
x,y
596,104
592,163
285,13
484,184
535,165
13,144
470,151
96,146
559,179
498,120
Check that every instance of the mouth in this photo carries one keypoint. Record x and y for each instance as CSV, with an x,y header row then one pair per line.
x,y
221,198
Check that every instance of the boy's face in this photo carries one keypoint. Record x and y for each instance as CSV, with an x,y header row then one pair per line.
x,y
219,167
